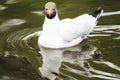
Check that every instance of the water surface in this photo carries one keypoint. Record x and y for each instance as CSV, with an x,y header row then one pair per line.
x,y
96,58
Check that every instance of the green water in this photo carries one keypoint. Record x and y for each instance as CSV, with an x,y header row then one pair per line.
x,y
20,58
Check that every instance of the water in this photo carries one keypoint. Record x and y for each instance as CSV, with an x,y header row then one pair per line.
x,y
96,58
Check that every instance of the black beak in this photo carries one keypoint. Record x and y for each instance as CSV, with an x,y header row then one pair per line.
x,y
51,15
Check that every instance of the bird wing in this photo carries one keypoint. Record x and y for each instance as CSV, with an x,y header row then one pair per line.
x,y
78,27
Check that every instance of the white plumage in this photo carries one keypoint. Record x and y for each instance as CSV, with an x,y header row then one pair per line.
x,y
67,32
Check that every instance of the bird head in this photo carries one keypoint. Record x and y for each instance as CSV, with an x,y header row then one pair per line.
x,y
50,10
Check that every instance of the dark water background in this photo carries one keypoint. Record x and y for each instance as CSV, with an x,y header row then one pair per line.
x,y
96,58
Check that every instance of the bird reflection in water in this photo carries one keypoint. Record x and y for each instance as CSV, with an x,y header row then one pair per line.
x,y
53,58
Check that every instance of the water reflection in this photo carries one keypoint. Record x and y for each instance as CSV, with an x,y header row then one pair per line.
x,y
51,62
53,58
78,55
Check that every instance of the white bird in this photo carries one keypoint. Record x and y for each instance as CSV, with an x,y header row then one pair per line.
x,y
64,33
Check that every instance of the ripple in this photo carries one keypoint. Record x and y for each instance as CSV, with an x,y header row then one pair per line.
x,y
105,30
15,40
2,7
32,35
10,23
117,38
39,13
91,72
109,64
111,13
12,1
93,35
106,27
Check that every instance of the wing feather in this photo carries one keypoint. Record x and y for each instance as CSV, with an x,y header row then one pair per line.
x,y
78,27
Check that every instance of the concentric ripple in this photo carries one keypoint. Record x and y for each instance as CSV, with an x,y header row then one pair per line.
x,y
16,41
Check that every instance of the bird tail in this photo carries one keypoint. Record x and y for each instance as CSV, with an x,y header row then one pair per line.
x,y
98,13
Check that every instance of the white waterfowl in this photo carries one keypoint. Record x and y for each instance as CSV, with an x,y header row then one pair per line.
x,y
58,33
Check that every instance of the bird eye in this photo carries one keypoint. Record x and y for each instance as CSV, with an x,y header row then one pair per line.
x,y
54,9
46,9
